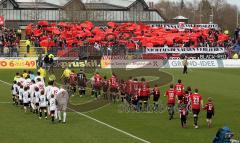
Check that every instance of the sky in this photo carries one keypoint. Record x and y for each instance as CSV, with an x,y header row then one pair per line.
x,y
233,2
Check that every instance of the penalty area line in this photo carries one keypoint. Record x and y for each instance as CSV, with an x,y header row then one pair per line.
x,y
114,128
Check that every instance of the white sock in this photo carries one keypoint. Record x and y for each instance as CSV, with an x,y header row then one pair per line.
x,y
56,114
59,115
64,116
48,110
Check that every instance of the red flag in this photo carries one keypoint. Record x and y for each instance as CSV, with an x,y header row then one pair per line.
x,y
43,23
37,32
1,20
62,24
112,24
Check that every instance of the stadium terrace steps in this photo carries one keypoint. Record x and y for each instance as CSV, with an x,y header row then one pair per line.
x,y
23,50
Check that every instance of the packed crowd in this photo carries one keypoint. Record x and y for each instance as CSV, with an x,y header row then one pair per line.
x,y
30,92
137,94
130,35
9,41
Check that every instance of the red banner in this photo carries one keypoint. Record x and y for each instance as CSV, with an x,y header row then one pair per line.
x,y
1,20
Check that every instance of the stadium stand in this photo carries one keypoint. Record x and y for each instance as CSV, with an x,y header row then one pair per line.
x,y
131,36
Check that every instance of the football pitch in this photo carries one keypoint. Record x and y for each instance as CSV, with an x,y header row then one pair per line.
x,y
90,121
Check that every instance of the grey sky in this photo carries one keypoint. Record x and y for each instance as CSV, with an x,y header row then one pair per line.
x,y
234,2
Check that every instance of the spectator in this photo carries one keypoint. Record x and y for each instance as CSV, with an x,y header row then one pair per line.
x,y
235,56
15,50
46,61
6,51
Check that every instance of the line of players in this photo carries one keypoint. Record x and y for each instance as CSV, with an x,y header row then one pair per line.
x,y
31,92
137,94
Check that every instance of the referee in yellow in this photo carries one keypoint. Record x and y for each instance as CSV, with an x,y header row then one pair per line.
x,y
66,75
42,72
16,77
25,74
185,65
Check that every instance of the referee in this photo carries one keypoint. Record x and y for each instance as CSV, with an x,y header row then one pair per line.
x,y
185,64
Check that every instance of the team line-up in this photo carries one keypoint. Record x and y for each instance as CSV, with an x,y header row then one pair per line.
x,y
32,93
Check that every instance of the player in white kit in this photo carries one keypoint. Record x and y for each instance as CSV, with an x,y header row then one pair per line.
x,y
21,80
40,85
52,107
27,82
14,92
39,77
62,102
26,96
43,105
48,91
20,94
37,97
32,96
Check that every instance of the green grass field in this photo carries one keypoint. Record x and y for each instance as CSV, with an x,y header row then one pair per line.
x,y
221,84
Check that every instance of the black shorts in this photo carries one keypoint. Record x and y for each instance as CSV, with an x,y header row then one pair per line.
x,y
171,104
13,95
180,97
145,98
155,98
97,88
52,112
195,111
128,98
81,88
37,104
209,115
183,117
105,88
135,102
21,102
43,108
113,90
25,104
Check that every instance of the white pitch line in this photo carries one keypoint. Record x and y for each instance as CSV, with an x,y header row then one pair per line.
x,y
5,102
5,82
100,122
114,128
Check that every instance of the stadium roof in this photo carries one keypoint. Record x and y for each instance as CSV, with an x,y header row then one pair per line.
x,y
27,5
121,3
180,17
54,2
89,3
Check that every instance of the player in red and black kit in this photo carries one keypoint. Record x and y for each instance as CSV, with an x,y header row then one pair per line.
x,y
135,87
97,84
196,104
183,116
143,95
179,89
188,92
105,87
171,97
156,95
82,83
209,107
122,89
73,82
128,89
113,85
